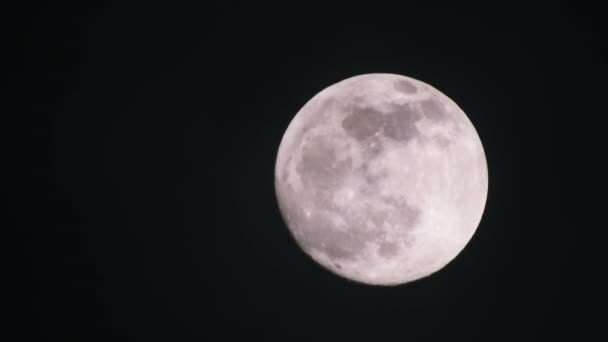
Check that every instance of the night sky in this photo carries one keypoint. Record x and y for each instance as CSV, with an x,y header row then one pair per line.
x,y
149,140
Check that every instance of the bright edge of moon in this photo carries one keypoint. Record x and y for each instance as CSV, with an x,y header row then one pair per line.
x,y
381,179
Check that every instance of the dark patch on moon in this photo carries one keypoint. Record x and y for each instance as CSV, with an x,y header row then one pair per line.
x,y
433,110
404,86
327,104
319,233
373,147
405,215
388,249
284,176
400,124
377,217
319,117
291,207
442,142
319,166
362,123
371,180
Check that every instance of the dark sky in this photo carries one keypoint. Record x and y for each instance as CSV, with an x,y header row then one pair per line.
x,y
150,135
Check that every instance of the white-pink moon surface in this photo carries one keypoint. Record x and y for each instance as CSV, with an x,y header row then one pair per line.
x,y
381,179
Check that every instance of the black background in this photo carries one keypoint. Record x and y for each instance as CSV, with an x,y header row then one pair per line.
x,y
150,135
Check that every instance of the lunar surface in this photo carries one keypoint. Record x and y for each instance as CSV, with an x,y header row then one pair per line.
x,y
381,179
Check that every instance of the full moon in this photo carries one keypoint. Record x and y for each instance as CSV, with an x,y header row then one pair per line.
x,y
381,179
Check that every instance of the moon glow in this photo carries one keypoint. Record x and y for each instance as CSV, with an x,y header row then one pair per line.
x,y
381,179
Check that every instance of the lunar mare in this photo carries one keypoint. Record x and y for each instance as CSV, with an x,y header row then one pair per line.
x,y
381,179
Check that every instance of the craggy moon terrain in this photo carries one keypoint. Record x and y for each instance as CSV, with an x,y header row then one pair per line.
x,y
381,179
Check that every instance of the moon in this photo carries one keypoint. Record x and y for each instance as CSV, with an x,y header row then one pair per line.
x,y
381,179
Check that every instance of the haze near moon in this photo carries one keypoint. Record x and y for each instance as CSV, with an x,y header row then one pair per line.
x,y
381,179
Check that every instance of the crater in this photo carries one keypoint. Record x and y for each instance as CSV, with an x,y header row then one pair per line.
x,y
362,123
405,87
